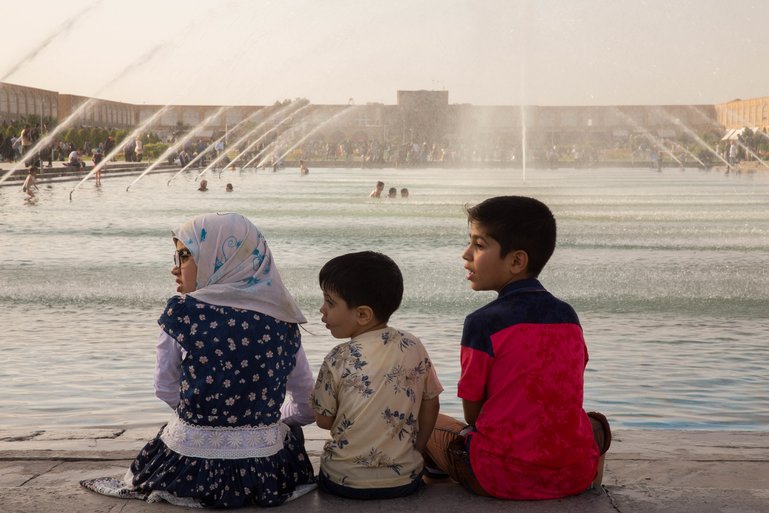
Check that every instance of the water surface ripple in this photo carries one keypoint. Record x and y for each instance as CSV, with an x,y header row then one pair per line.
x,y
668,272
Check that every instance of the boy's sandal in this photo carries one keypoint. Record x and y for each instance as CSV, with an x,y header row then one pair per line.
x,y
434,473
600,418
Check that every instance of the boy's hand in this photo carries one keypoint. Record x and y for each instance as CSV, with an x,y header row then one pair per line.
x,y
323,421
472,409
428,413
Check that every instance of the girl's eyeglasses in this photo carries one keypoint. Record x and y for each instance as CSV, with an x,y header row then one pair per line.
x,y
181,256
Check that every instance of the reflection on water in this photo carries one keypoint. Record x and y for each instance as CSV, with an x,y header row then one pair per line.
x,y
667,271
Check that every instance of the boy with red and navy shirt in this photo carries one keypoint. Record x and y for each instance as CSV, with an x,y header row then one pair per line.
x,y
523,358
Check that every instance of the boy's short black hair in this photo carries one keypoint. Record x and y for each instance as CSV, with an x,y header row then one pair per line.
x,y
518,223
366,278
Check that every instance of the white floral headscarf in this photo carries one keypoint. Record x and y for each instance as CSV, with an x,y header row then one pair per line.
x,y
235,266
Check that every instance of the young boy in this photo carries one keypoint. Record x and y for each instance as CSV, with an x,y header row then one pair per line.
x,y
30,182
523,358
377,192
378,392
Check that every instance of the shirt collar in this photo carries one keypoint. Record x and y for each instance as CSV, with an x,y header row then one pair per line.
x,y
370,335
525,285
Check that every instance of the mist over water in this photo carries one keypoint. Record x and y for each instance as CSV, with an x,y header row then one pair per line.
x,y
667,271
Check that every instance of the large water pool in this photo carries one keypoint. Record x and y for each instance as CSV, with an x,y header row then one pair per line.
x,y
668,272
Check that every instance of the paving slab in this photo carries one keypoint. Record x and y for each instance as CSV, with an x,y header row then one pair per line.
x,y
646,472
57,489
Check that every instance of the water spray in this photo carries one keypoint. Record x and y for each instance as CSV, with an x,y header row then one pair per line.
x,y
268,132
178,144
63,29
698,139
119,147
742,120
330,120
140,61
283,121
650,137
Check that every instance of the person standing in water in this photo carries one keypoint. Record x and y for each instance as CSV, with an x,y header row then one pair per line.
x,y
377,192
98,156
139,149
303,169
30,182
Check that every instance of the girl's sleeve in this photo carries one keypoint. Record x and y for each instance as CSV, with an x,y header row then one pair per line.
x,y
168,368
296,409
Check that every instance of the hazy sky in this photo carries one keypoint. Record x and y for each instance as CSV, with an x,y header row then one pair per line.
x,y
495,52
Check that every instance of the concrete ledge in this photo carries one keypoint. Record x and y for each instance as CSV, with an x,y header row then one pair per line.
x,y
646,471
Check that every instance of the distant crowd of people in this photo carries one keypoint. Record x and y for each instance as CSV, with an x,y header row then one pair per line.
x,y
24,148
16,142
404,153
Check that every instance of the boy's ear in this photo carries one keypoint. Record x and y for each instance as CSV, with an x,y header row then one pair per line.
x,y
364,315
519,261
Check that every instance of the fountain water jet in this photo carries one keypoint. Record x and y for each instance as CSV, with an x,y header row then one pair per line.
x,y
651,137
64,28
523,6
696,137
211,146
742,121
244,138
140,61
46,140
180,143
268,132
523,142
752,153
119,147
276,144
260,138
334,118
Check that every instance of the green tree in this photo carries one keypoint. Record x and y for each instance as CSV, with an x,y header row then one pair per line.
x,y
747,137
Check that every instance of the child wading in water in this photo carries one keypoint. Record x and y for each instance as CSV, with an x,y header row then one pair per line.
x,y
377,192
523,358
228,354
30,182
378,392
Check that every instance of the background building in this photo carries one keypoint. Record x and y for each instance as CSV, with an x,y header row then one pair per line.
x,y
422,122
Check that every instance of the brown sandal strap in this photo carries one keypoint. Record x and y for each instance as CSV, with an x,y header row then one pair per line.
x,y
602,420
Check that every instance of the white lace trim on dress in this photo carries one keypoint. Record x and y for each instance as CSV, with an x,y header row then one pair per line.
x,y
227,443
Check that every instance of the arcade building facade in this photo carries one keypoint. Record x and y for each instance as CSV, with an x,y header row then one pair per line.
x,y
417,117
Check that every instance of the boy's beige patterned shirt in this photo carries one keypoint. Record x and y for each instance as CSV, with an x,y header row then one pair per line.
x,y
374,386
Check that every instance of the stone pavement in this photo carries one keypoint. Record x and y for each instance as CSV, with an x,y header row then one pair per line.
x,y
646,471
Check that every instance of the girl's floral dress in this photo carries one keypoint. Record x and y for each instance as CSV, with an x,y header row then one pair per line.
x,y
226,447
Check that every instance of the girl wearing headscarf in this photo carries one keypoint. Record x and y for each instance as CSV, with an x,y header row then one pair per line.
x,y
231,365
